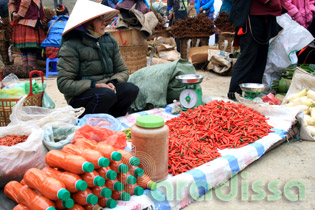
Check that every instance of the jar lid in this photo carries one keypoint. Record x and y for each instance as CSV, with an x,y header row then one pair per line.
x,y
150,121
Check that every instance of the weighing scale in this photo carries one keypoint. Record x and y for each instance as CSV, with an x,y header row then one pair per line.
x,y
191,96
252,90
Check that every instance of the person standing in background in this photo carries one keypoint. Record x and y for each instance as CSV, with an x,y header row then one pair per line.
x,y
255,22
55,28
28,33
226,6
110,3
205,6
4,8
302,11
176,10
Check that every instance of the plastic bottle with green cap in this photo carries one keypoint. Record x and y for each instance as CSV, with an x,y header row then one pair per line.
x,y
73,182
64,204
119,167
107,173
102,192
146,183
92,156
85,197
136,171
114,185
134,189
128,158
93,179
126,178
107,202
149,138
124,196
48,186
68,162
24,195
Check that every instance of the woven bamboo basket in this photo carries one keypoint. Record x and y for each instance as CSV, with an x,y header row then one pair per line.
x,y
229,36
203,41
134,56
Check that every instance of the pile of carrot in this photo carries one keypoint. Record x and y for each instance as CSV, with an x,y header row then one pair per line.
x,y
11,140
196,135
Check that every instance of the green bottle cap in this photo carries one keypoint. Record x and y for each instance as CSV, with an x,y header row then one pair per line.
x,y
63,194
123,168
92,199
134,161
139,172
81,185
131,180
87,167
106,193
125,196
138,190
152,185
50,208
68,203
116,156
118,186
111,203
111,174
99,181
150,121
103,162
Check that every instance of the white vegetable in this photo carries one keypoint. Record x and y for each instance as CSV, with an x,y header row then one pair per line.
x,y
297,95
313,113
311,129
309,120
311,94
298,101
307,101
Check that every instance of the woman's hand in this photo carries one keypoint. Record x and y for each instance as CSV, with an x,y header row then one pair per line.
x,y
103,85
200,9
16,16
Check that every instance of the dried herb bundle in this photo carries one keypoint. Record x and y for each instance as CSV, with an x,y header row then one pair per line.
x,y
200,26
222,23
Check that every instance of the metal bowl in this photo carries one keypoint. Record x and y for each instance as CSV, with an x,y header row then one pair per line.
x,y
190,78
253,87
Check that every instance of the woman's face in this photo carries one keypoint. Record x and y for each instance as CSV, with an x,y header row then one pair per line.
x,y
98,24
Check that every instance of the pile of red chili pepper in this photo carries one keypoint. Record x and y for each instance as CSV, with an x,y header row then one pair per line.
x,y
11,140
196,135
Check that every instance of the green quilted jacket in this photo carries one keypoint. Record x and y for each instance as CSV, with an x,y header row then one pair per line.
x,y
83,60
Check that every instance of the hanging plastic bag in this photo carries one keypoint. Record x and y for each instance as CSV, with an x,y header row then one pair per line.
x,y
16,160
98,134
58,134
283,48
47,102
100,120
41,116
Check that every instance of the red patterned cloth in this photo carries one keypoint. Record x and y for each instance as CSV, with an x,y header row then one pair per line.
x,y
27,37
51,52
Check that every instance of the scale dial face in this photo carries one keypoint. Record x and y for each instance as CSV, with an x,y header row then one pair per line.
x,y
188,98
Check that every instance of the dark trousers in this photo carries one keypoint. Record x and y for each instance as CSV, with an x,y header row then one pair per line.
x,y
104,100
250,66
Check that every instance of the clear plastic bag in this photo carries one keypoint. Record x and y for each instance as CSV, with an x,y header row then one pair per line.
x,y
41,116
100,120
16,160
58,134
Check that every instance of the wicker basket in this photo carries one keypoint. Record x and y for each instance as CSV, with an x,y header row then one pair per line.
x,y
229,36
134,56
203,41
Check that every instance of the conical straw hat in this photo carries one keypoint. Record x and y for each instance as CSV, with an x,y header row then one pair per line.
x,y
84,11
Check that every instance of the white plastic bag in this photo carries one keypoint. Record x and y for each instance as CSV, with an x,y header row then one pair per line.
x,y
58,134
283,48
17,159
41,116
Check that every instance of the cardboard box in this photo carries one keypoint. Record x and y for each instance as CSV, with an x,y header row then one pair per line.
x,y
127,37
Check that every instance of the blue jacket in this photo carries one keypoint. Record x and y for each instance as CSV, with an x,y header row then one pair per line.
x,y
55,31
110,3
226,6
205,4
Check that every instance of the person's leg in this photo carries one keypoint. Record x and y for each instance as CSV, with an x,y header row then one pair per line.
x,y
245,64
31,57
95,100
24,56
126,94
